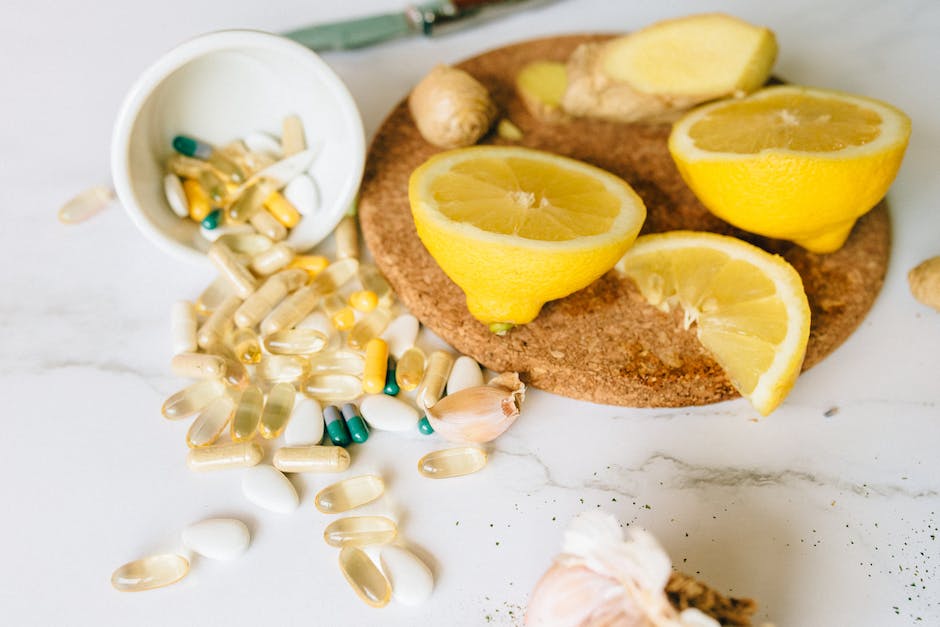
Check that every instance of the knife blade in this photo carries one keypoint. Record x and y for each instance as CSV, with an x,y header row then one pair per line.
x,y
429,19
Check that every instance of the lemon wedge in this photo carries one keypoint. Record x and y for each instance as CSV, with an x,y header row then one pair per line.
x,y
516,227
748,306
792,162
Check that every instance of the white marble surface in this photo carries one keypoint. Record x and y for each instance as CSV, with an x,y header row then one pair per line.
x,y
824,520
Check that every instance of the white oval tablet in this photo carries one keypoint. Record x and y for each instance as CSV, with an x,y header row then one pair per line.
x,y
306,423
387,413
400,334
175,196
268,488
466,373
217,538
302,192
260,141
411,579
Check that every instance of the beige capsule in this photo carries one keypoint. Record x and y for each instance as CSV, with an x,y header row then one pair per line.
x,y
267,225
267,297
435,379
224,456
272,260
346,235
314,458
197,366
291,310
232,269
217,326
213,296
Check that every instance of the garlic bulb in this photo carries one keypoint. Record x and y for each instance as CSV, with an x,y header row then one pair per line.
x,y
602,580
451,108
481,413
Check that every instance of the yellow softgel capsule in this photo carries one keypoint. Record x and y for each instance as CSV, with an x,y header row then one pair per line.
x,y
364,576
192,399
360,531
341,315
369,327
364,300
291,310
282,368
410,369
211,422
282,210
277,409
198,200
246,346
197,366
247,414
337,361
150,572
301,341
332,387
348,494
312,264
452,462
373,379
214,330
274,290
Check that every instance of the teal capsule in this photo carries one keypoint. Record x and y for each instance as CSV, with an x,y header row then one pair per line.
x,y
199,149
212,220
424,426
336,426
391,384
358,430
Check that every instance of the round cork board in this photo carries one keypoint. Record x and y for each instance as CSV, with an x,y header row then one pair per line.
x,y
604,343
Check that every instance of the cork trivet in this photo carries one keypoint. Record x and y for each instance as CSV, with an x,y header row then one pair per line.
x,y
604,343
685,592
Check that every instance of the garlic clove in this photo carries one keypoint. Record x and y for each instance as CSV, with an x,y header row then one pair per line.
x,y
575,596
479,414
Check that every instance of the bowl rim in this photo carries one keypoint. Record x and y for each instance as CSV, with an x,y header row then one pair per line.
x,y
177,57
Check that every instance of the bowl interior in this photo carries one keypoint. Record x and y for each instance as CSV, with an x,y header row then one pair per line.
x,y
219,88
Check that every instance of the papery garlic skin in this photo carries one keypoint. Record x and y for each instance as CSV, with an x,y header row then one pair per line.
x,y
602,580
479,414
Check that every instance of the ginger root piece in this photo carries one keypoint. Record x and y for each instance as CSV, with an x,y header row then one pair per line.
x,y
668,67
925,282
541,86
451,108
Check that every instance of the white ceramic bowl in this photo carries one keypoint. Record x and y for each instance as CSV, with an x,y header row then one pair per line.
x,y
220,87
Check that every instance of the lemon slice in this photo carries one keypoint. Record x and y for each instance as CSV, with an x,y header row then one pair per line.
x,y
792,162
748,306
515,227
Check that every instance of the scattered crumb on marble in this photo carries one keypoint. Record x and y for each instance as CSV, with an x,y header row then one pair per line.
x,y
832,411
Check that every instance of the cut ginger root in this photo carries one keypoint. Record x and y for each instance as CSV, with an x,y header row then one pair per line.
x,y
668,67
541,86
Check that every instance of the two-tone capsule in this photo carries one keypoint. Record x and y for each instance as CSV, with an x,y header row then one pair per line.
x,y
356,426
336,428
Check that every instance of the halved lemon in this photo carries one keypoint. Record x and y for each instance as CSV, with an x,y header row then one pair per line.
x,y
748,306
515,227
792,162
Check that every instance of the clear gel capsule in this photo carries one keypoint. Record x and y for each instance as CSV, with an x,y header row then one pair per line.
x,y
347,238
86,204
236,375
199,149
337,362
210,423
248,161
318,321
274,290
373,281
409,372
336,428
293,140
150,572
214,330
197,366
221,457
213,296
246,243
364,576
360,531
348,494
192,399
282,368
435,378
273,259
332,387
202,175
231,268
341,315
176,195
183,326
452,462
373,379
267,225
291,310
247,414
250,200
295,342
246,346
282,210
277,409
311,459
371,326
